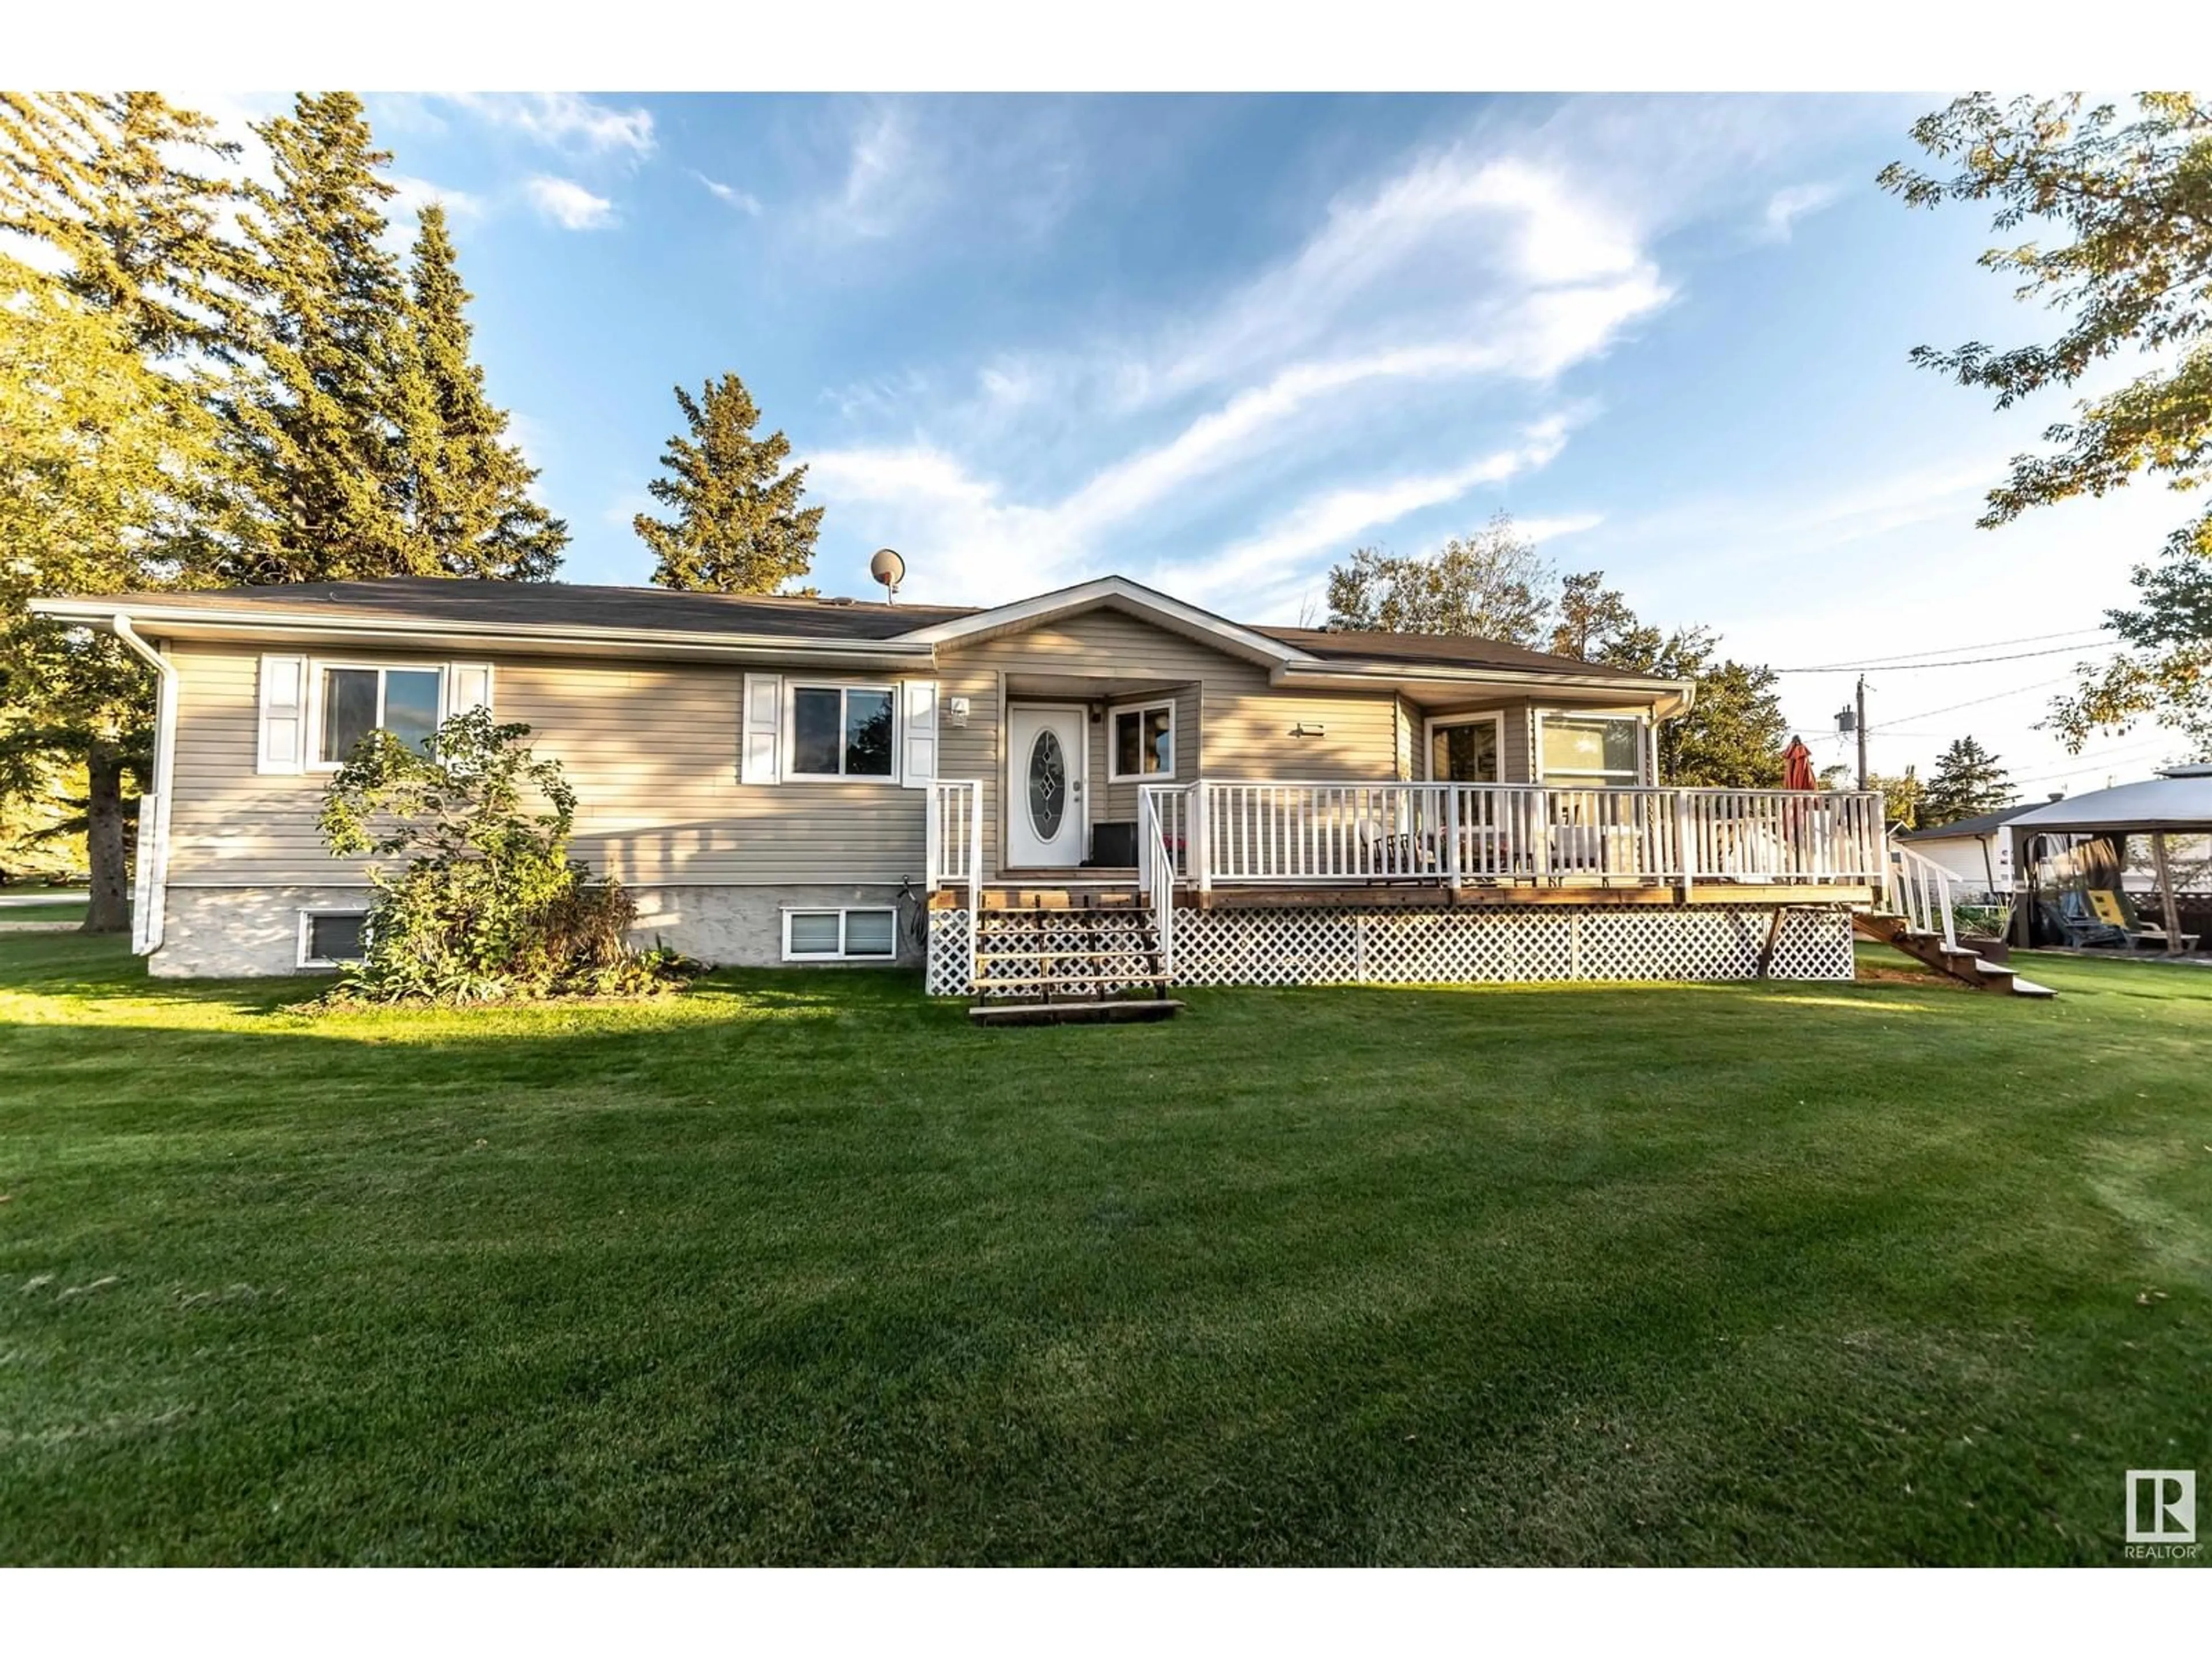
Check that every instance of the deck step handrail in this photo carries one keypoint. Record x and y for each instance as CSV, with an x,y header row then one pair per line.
x,y
1919,889
1158,871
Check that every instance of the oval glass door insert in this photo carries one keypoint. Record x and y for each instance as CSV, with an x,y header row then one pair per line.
x,y
1048,786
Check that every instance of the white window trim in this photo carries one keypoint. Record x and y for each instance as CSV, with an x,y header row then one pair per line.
x,y
307,913
1583,778
842,912
317,665
790,748
1114,714
1497,719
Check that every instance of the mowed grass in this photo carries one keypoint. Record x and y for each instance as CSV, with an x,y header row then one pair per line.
x,y
800,1268
60,909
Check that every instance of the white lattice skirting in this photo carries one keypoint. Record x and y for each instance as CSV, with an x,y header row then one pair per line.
x,y
1330,946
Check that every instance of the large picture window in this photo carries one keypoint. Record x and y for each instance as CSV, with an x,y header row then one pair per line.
x,y
1144,742
842,731
1594,750
355,701
1464,750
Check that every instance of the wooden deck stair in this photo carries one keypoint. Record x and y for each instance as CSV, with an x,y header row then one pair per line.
x,y
1886,927
1067,958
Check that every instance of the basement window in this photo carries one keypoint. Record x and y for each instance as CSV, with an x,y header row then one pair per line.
x,y
839,935
332,938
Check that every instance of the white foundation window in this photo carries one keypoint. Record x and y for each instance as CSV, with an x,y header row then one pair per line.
x,y
839,935
332,938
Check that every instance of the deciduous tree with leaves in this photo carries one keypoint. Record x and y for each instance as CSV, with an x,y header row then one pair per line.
x,y
1968,781
737,526
1492,584
105,449
2130,270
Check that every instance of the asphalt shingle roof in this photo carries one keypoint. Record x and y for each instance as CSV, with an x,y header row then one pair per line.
x,y
557,604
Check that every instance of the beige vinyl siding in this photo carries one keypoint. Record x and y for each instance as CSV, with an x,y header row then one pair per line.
x,y
1229,722
652,750
1109,648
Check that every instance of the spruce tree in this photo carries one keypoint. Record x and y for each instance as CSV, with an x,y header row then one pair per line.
x,y
739,527
105,476
1968,781
318,435
103,180
471,512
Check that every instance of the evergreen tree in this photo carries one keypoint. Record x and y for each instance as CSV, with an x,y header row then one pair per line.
x,y
470,512
318,435
104,472
1968,782
739,527
101,179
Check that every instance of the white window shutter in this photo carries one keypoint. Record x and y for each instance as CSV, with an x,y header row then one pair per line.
x,y
920,720
283,728
762,755
468,685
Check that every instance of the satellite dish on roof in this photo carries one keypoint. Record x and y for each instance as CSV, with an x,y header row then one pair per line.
x,y
890,569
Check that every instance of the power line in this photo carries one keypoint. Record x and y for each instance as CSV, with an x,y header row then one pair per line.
x,y
1904,659
1951,662
1976,702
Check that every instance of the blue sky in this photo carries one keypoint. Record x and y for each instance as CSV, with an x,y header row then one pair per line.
x,y
1216,343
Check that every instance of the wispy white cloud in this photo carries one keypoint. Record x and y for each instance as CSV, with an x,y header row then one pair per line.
x,y
564,121
744,201
415,194
1458,268
1266,570
878,188
569,205
1792,202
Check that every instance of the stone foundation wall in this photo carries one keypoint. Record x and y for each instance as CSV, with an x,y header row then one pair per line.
x,y
239,932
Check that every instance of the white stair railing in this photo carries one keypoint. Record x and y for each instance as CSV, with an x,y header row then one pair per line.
x,y
1159,870
1920,892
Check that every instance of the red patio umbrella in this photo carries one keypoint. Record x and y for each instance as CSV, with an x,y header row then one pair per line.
x,y
1797,766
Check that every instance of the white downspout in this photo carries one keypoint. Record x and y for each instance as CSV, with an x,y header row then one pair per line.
x,y
152,882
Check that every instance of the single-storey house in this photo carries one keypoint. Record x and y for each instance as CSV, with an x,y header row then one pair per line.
x,y
1976,851
1094,775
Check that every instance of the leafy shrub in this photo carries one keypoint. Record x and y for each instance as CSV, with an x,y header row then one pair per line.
x,y
490,904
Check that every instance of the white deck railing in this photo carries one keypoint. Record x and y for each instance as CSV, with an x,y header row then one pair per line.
x,y
1920,892
1320,833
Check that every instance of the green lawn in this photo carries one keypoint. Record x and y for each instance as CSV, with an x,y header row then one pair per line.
x,y
60,909
800,1268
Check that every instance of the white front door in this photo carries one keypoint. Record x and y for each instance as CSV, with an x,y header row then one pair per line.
x,y
1047,826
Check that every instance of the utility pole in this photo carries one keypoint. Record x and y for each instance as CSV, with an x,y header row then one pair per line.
x,y
1862,763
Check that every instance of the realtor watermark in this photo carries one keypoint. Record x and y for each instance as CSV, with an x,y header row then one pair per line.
x,y
2161,1515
